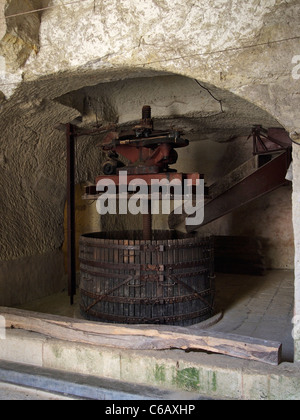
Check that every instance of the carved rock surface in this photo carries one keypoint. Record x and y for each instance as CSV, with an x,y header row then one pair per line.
x,y
89,59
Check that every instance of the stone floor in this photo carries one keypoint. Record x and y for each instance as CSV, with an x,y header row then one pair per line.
x,y
260,307
255,306
10,392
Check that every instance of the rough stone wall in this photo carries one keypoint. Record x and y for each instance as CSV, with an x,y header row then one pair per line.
x,y
269,217
245,47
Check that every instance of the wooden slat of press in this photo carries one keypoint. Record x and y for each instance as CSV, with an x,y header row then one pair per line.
x,y
192,280
198,279
99,283
161,290
84,276
131,289
112,279
179,257
143,288
170,289
155,288
149,290
91,285
176,306
202,278
115,262
184,306
212,268
137,306
126,271
121,289
107,281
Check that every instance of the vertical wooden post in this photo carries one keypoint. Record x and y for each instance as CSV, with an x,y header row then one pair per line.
x,y
71,137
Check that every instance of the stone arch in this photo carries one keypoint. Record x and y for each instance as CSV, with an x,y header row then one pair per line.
x,y
220,47
204,112
34,224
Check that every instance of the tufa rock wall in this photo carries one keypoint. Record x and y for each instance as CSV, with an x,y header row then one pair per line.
x,y
240,51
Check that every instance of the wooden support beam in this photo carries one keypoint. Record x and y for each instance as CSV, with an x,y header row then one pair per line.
x,y
177,221
143,337
234,177
71,138
262,181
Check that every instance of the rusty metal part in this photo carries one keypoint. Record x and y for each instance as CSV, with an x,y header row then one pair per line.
x,y
148,151
146,122
112,164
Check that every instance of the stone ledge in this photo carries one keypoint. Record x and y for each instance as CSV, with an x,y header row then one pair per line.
x,y
205,375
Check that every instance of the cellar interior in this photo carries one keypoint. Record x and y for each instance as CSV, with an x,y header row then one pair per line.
x,y
253,243
221,80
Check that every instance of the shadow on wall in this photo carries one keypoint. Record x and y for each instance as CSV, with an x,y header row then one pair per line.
x,y
270,219
87,220
30,278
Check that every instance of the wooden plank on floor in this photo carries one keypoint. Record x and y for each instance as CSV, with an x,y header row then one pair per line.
x,y
143,337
